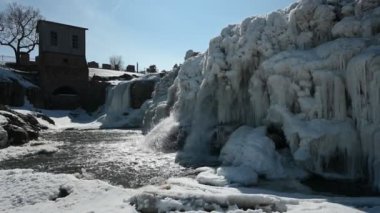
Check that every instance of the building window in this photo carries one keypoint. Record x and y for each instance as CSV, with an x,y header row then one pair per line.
x,y
53,38
75,41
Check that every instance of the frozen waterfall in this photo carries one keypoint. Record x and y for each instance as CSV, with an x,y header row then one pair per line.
x,y
311,70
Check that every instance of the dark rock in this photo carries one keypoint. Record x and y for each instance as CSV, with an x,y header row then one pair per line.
x,y
13,118
112,78
3,138
11,93
141,91
278,137
63,192
45,118
16,135
19,128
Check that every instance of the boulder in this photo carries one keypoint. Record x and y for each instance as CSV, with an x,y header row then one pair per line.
x,y
17,128
3,138
16,135
46,118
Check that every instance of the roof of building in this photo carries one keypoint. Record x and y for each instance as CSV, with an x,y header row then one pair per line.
x,y
66,25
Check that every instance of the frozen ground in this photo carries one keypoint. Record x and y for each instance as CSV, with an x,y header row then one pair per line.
x,y
29,191
109,73
63,119
29,149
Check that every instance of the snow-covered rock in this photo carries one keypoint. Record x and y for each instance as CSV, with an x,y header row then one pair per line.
x,y
159,105
29,149
17,128
312,70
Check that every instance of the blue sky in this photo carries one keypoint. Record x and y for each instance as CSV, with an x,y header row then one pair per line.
x,y
148,31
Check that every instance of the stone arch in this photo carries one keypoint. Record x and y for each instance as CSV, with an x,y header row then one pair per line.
x,y
65,97
65,90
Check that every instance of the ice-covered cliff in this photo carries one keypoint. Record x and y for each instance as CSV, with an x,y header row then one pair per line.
x,y
309,75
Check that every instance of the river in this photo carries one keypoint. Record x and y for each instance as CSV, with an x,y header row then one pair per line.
x,y
116,156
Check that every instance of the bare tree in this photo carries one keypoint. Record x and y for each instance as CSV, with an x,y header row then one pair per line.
x,y
116,62
18,28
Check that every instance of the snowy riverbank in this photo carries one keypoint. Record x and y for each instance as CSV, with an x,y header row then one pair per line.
x,y
29,191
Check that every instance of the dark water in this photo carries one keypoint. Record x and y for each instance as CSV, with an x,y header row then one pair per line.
x,y
115,156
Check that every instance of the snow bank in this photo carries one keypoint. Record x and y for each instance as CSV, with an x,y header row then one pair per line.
x,y
7,75
28,191
24,190
183,194
29,149
209,177
109,73
63,119
311,70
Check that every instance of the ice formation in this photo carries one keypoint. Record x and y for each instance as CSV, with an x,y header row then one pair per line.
x,y
312,71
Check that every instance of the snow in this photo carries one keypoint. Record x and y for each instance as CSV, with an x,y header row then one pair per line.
x,y
311,70
209,177
184,194
29,191
110,73
63,119
29,149
24,190
8,75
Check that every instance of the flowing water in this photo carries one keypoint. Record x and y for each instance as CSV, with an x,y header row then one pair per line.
x,y
116,156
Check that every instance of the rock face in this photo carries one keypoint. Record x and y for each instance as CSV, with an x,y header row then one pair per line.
x,y
311,70
3,137
141,91
14,89
12,93
16,128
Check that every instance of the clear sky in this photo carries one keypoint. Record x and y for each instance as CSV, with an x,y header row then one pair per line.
x,y
148,31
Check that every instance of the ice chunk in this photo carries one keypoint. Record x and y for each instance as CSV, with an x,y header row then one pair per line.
x,y
249,148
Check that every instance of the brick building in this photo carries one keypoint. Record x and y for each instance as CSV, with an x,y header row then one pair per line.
x,y
62,63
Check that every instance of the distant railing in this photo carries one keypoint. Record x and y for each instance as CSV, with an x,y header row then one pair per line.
x,y
7,59
11,59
